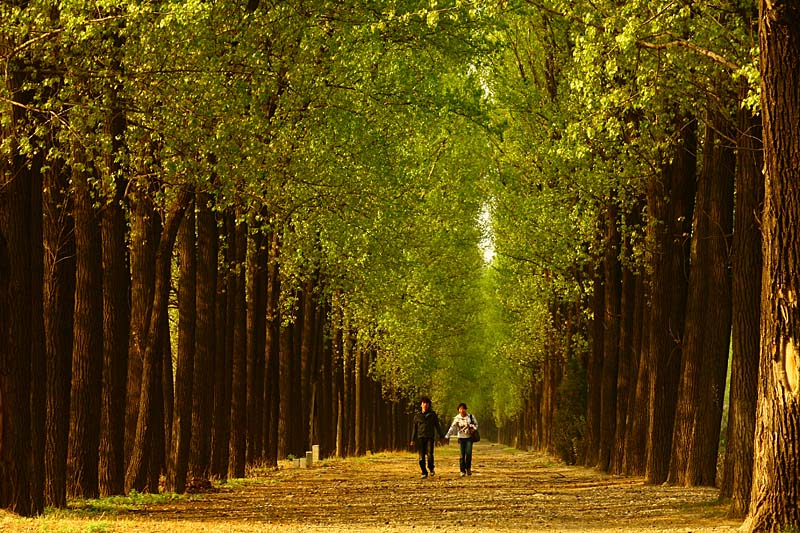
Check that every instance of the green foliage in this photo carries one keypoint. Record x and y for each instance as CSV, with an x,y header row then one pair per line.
x,y
371,137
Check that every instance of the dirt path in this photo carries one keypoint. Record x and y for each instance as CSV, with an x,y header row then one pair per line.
x,y
509,491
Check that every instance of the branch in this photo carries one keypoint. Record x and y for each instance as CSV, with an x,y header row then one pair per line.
x,y
691,46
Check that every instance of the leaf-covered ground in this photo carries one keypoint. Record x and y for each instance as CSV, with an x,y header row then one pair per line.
x,y
508,491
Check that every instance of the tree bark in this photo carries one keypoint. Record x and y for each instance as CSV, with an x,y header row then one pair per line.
x,y
38,352
16,232
145,231
628,351
202,381
184,373
775,498
136,476
306,347
224,365
695,437
272,374
59,307
238,447
116,280
611,319
256,345
669,231
635,458
594,375
87,361
746,265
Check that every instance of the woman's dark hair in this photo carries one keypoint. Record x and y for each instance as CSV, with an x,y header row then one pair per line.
x,y
462,404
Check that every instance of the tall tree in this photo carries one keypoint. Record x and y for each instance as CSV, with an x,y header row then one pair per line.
x,y
774,504
695,437
87,360
611,336
16,236
59,294
205,354
184,374
116,286
238,414
137,471
670,204
746,267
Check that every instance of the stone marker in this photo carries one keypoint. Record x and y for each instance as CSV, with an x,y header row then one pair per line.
x,y
315,452
309,459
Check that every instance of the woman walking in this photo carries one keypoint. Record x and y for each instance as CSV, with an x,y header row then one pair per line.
x,y
464,425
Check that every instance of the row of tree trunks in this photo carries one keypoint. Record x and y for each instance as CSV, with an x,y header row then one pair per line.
x,y
695,437
665,369
638,379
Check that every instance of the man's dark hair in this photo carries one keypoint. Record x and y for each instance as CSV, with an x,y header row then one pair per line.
x,y
426,400
462,404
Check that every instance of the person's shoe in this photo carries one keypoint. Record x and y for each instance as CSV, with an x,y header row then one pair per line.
x,y
432,473
424,476
469,472
463,474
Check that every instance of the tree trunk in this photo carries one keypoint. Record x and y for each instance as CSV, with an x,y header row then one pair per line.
x,y
285,410
38,352
670,227
635,458
184,374
59,307
116,319
626,369
16,233
238,447
136,476
256,345
746,264
145,228
162,407
224,367
608,392
116,282
775,499
594,375
202,381
87,361
358,403
704,363
272,374
306,346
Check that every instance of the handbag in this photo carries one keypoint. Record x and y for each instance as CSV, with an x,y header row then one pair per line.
x,y
474,436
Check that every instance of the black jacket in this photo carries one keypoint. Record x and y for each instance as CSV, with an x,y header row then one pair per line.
x,y
426,425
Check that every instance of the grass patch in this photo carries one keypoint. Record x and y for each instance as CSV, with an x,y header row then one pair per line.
x,y
111,505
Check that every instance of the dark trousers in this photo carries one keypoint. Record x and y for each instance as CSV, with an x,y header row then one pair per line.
x,y
425,448
465,459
